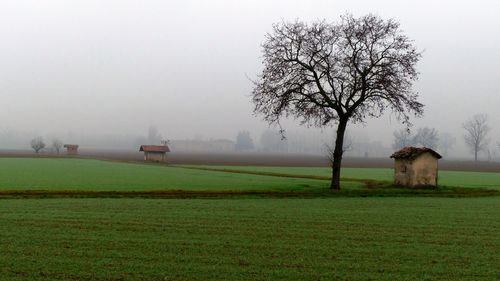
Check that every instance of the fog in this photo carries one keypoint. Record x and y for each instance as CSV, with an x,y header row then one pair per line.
x,y
102,72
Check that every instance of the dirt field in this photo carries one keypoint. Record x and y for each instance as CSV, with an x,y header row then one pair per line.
x,y
260,159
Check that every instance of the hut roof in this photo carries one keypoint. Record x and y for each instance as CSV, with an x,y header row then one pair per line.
x,y
71,146
154,148
411,153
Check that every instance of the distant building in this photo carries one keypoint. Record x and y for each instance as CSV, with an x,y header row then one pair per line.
x,y
71,149
416,167
155,153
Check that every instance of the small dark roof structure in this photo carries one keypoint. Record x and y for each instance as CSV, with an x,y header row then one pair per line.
x,y
71,146
154,148
411,153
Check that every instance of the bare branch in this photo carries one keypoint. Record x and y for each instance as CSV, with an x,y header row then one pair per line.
x,y
334,73
476,132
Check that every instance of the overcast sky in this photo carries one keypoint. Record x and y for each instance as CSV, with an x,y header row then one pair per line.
x,y
117,67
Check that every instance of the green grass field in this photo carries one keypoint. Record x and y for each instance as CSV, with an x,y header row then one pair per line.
x,y
95,175
250,239
446,178
395,234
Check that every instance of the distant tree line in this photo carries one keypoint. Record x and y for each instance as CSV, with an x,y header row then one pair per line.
x,y
476,130
427,137
244,141
38,144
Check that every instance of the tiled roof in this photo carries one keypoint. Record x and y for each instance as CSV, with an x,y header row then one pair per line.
x,y
154,148
71,146
411,152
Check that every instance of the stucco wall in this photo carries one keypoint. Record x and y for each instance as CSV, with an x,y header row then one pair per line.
x,y
155,156
422,171
403,172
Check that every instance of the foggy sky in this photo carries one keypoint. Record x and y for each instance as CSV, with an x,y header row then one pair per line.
x,y
117,67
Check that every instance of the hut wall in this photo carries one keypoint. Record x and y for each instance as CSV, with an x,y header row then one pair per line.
x,y
422,171
403,172
154,156
425,169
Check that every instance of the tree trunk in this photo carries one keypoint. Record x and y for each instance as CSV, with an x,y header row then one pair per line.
x,y
337,154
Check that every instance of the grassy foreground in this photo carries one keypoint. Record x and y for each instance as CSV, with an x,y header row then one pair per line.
x,y
240,238
264,239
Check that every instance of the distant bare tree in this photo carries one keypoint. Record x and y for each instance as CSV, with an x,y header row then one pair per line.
x,y
490,153
446,142
272,141
498,145
335,73
154,137
57,145
402,138
476,132
37,144
427,137
244,141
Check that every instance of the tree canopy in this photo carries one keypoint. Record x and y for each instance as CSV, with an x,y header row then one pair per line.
x,y
334,73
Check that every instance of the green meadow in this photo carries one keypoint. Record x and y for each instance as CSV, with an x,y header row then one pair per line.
x,y
250,239
294,229
446,178
96,175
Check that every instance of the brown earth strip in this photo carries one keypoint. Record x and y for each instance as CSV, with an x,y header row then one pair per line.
x,y
368,182
261,173
258,159
374,190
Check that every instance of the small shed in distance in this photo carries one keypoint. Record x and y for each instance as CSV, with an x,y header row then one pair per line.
x,y
155,153
71,149
416,167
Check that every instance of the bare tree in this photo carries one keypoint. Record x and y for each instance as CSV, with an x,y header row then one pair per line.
x,y
272,141
154,137
402,138
427,137
244,141
490,153
335,73
476,132
446,142
346,146
57,145
37,144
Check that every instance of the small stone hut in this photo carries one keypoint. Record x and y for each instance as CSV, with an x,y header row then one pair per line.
x,y
155,153
71,149
416,167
